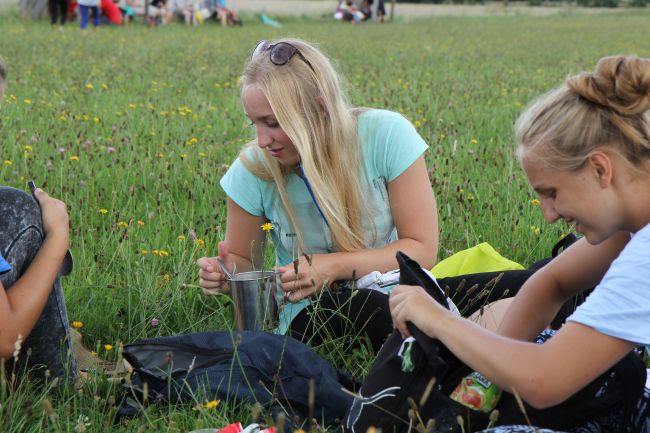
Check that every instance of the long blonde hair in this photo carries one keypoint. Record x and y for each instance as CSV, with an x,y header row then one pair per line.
x,y
310,106
604,108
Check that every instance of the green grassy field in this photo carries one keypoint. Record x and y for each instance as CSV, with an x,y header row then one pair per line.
x,y
133,127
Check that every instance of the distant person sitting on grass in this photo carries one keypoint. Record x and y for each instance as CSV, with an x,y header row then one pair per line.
x,y
221,13
348,11
159,13
183,9
585,148
127,10
335,187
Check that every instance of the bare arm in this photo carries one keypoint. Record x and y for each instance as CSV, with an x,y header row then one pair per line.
x,y
414,211
23,303
241,250
244,237
527,368
578,268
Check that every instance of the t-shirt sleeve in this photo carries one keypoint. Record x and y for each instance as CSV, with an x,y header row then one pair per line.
x,y
4,266
244,188
620,306
392,142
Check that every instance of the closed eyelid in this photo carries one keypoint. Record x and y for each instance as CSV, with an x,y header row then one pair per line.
x,y
545,192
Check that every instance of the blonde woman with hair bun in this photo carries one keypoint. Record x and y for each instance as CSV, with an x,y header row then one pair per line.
x,y
340,189
585,148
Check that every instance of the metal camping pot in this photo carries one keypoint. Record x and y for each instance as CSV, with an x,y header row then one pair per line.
x,y
253,295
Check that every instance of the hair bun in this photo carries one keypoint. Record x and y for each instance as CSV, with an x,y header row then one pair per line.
x,y
619,83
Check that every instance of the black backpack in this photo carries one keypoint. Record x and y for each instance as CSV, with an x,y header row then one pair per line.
x,y
236,367
398,401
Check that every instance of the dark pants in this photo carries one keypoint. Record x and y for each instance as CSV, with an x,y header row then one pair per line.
x,y
58,11
359,314
48,347
84,12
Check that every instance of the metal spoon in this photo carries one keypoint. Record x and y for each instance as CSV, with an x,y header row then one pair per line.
x,y
224,268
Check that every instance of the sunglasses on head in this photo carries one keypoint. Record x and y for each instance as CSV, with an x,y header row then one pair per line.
x,y
279,53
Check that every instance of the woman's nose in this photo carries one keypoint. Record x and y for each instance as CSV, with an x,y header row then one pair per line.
x,y
264,139
550,214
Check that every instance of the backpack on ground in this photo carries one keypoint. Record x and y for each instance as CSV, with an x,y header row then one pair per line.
x,y
399,400
236,367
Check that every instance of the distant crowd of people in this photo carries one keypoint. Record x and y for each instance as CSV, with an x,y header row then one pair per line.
x,y
158,12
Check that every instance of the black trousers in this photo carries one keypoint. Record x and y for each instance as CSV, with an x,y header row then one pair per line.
x,y
58,11
359,316
363,316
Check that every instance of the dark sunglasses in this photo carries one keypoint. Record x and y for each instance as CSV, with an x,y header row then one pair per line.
x,y
279,53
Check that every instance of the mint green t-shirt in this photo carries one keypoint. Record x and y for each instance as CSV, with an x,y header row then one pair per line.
x,y
390,146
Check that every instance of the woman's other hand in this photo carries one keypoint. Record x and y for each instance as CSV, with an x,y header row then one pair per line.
x,y
212,279
307,275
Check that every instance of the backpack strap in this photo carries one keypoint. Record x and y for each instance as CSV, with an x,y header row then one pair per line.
x,y
563,244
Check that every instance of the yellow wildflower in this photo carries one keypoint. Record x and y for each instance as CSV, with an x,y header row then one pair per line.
x,y
27,101
144,252
155,252
181,237
108,347
202,154
267,227
163,253
77,324
200,243
211,404
192,140
104,86
89,86
27,147
123,224
133,106
474,141
103,211
140,223
7,162
74,158
534,202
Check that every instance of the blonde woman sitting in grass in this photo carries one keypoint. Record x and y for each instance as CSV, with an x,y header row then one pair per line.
x,y
585,148
342,189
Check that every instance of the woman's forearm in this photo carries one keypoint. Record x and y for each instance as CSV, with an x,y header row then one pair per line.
x,y
532,310
356,264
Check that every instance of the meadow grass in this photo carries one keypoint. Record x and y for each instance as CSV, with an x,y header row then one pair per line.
x,y
133,128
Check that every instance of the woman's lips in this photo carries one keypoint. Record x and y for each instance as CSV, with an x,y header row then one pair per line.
x,y
276,152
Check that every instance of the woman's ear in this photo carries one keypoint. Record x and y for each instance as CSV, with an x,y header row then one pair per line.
x,y
321,104
602,166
